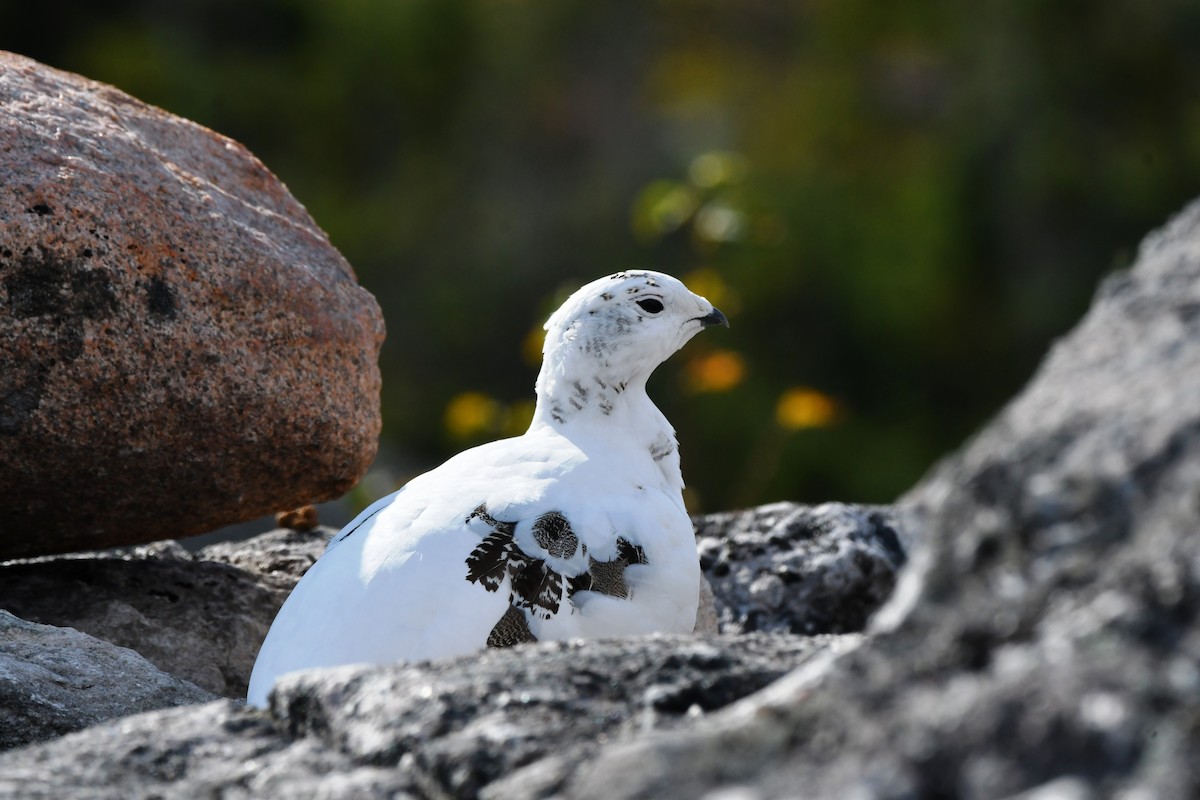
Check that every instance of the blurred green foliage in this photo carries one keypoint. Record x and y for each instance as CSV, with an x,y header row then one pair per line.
x,y
900,204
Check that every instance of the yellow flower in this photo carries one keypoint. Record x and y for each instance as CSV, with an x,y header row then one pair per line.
x,y
801,407
471,414
718,371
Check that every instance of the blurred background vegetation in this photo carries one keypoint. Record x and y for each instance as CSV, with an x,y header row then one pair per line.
x,y
899,206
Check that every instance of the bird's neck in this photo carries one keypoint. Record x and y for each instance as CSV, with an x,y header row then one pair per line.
x,y
573,397
602,411
580,396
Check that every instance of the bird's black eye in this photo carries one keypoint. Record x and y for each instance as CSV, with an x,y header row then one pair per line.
x,y
650,305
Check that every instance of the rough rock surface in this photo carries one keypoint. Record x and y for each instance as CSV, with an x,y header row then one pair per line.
x,y
707,620
801,569
216,750
442,729
188,614
1047,631
182,348
464,723
57,680
280,556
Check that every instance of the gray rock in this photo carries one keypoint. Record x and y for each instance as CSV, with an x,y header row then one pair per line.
x,y
57,680
1047,631
466,722
444,729
281,556
202,621
182,348
220,749
707,619
802,569
190,615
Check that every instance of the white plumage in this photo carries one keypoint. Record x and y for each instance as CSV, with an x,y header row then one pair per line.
x,y
575,529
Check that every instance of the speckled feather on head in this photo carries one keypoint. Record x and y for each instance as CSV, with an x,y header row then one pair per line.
x,y
597,345
576,529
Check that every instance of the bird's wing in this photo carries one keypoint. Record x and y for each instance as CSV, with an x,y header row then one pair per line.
x,y
402,580
365,517
521,539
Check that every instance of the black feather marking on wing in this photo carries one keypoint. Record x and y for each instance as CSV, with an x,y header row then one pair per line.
x,y
511,629
608,577
482,514
537,587
532,583
553,533
486,564
579,583
632,553
344,535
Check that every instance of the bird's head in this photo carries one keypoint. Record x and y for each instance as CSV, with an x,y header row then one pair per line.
x,y
618,329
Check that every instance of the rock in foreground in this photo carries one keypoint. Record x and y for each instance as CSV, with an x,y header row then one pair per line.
x,y
1047,633
182,348
528,715
214,750
57,680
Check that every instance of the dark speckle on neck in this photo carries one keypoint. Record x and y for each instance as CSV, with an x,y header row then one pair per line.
x,y
579,396
661,448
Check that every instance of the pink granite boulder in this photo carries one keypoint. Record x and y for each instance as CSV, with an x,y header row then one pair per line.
x,y
180,345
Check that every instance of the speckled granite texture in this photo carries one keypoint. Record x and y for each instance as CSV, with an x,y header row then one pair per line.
x,y
181,346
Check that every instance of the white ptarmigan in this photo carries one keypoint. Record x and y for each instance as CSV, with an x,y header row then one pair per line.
x,y
575,529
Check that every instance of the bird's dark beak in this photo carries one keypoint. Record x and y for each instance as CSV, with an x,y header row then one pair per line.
x,y
715,317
